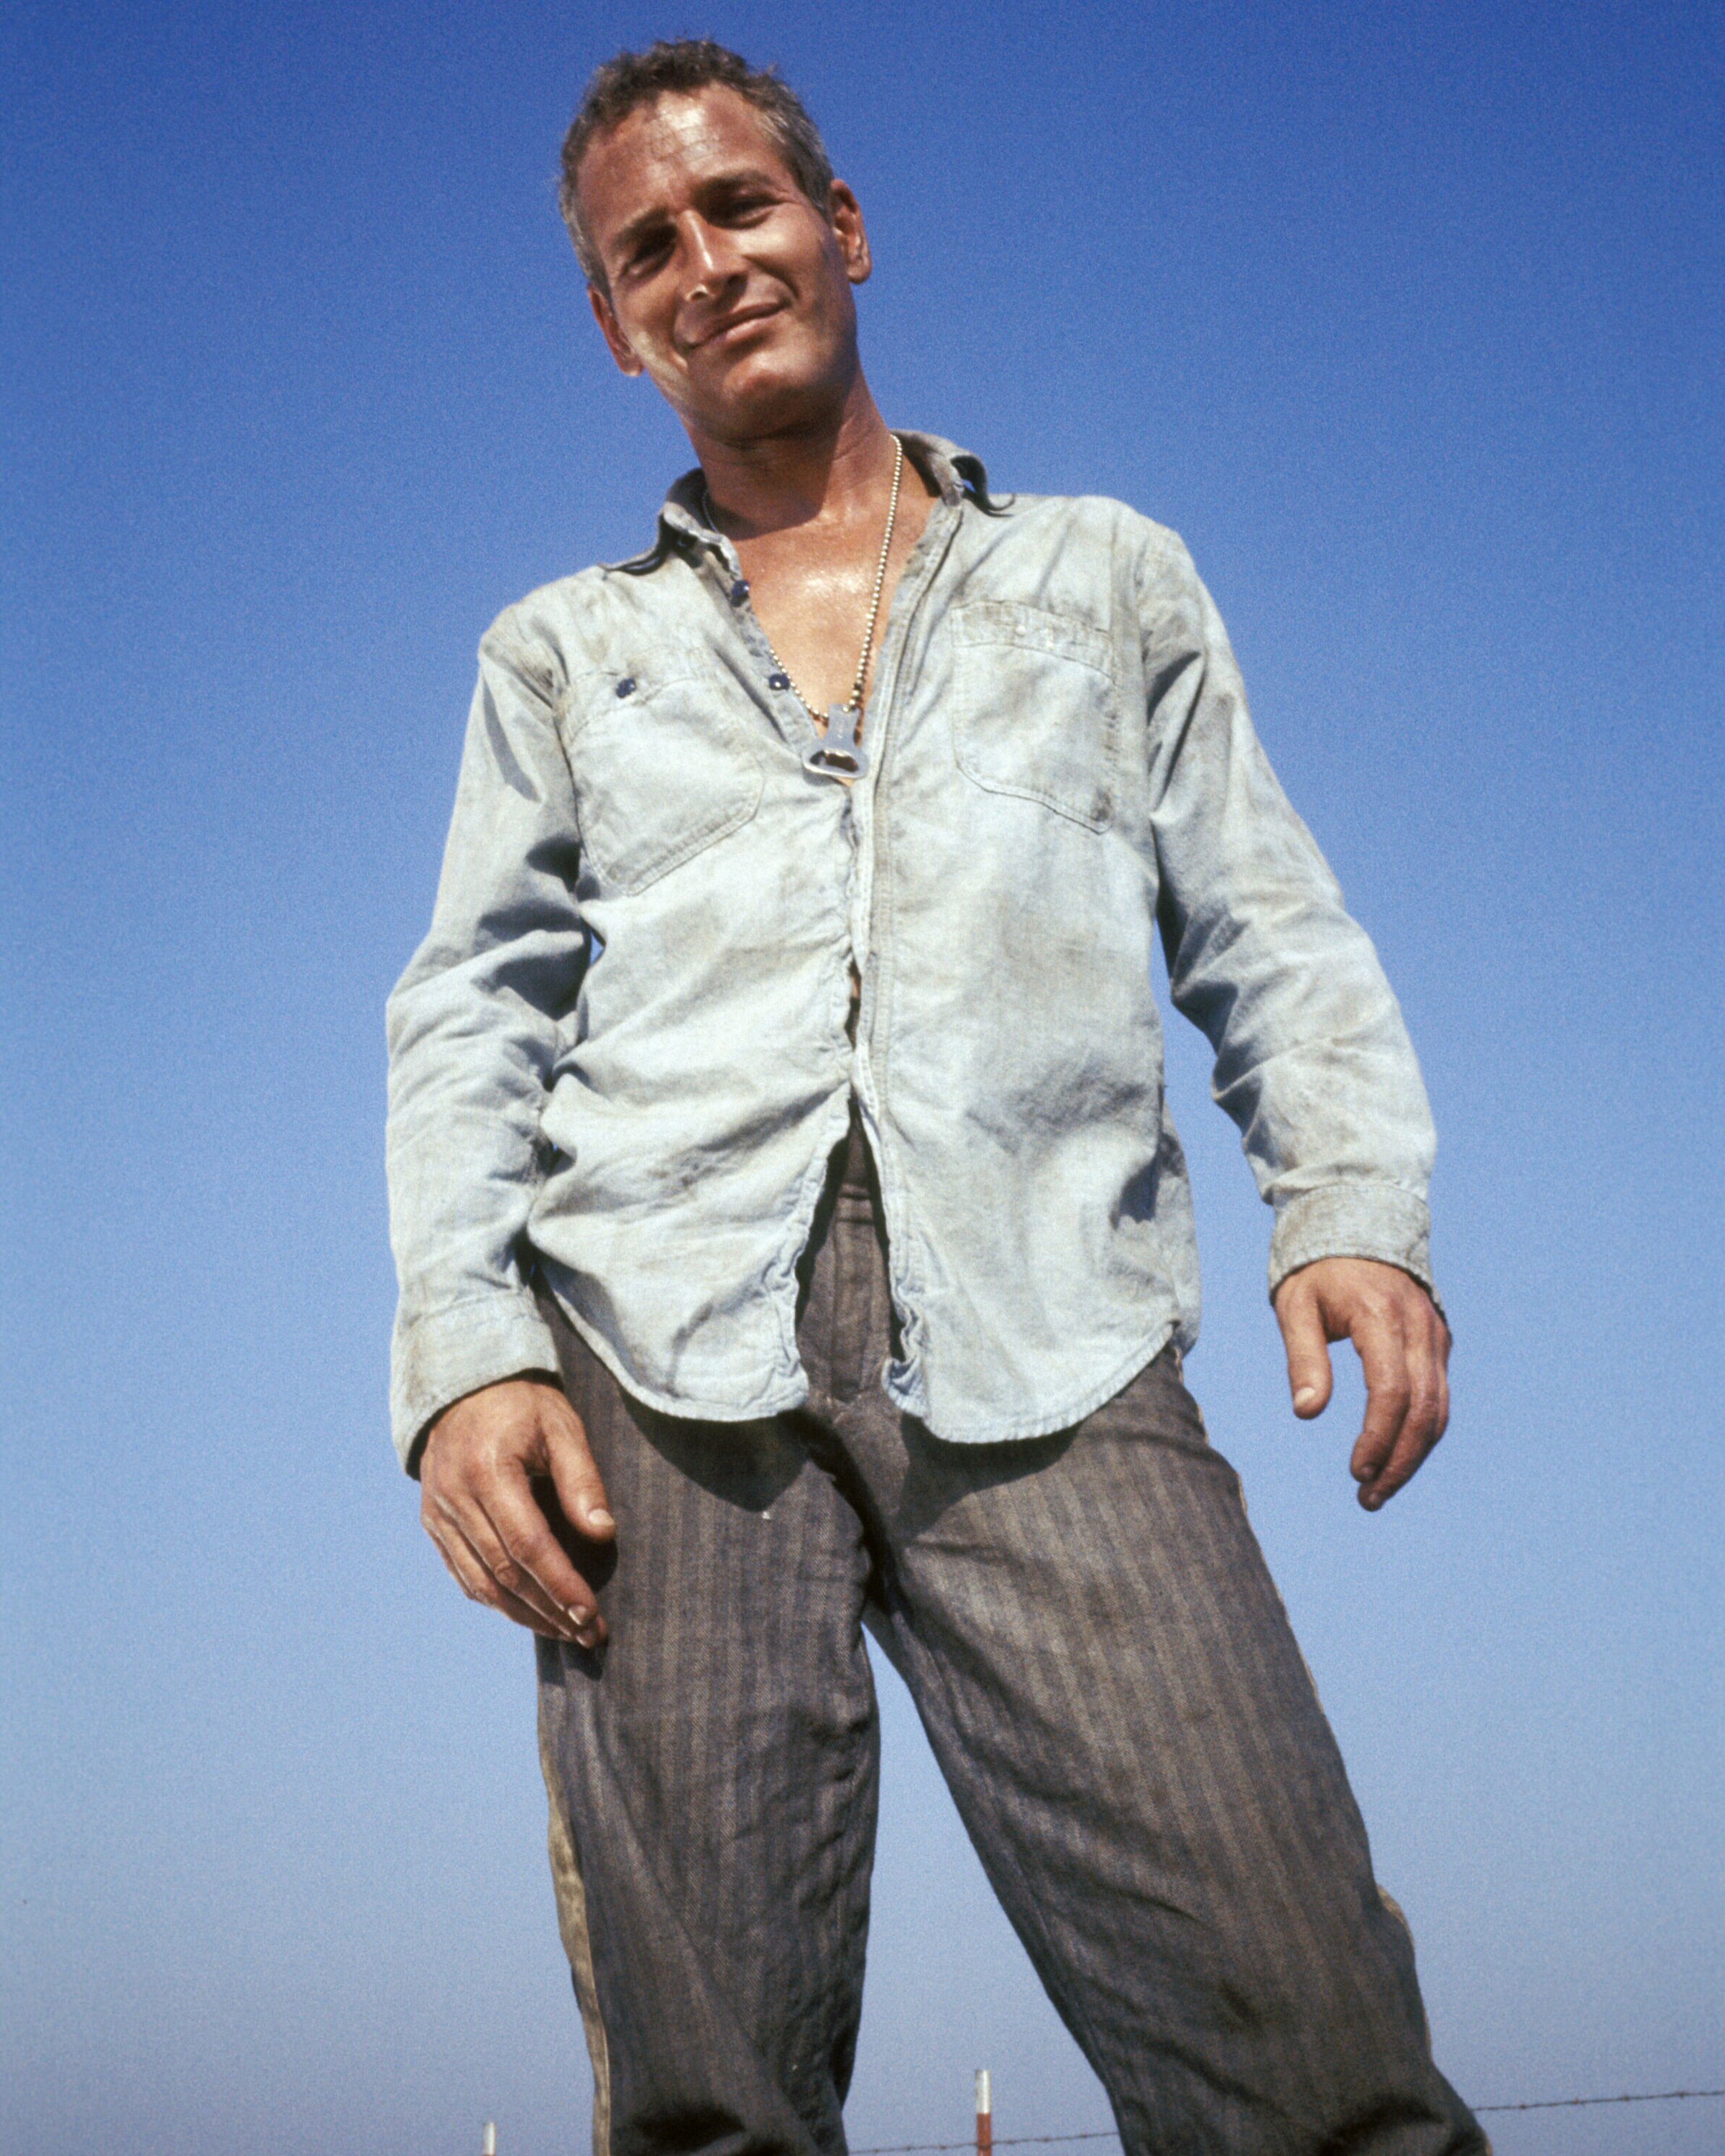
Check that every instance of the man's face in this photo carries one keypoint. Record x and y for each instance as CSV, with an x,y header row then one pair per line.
x,y
728,285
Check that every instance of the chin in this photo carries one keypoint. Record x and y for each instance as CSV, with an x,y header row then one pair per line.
x,y
770,400
764,392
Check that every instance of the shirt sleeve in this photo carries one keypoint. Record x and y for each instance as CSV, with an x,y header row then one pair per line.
x,y
475,1027
1312,1059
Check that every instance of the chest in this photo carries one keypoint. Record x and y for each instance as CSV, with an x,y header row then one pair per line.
x,y
1008,722
817,596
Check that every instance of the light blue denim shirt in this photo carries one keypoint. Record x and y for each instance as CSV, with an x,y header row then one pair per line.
x,y
620,1059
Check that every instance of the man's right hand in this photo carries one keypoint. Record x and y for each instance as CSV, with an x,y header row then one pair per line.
x,y
478,1505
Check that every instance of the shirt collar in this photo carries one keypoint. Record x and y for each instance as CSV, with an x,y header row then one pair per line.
x,y
683,518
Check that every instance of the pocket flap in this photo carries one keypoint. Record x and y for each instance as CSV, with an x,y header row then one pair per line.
x,y
1030,629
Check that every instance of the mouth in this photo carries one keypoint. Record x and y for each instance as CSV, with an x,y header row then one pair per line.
x,y
734,325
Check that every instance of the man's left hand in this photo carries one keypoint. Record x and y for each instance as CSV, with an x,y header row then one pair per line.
x,y
1403,1347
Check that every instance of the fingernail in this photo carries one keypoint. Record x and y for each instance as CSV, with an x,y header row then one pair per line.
x,y
600,1518
1306,1395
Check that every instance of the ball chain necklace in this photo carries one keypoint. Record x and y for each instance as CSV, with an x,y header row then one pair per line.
x,y
840,754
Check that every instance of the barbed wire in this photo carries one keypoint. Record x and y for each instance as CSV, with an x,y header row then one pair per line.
x,y
1003,2141
1044,2140
1577,2102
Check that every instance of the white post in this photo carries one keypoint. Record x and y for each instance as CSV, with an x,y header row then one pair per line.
x,y
491,2140
984,2114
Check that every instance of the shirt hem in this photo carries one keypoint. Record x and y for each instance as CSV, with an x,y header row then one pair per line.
x,y
795,1390
1070,1410
790,1393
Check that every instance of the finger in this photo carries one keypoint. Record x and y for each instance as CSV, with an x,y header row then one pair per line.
x,y
1428,1412
575,1474
1381,1346
465,1514
478,1585
1442,1348
476,1485
1302,1332
528,1559
464,1568
470,1567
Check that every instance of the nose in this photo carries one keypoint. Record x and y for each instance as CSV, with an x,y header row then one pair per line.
x,y
711,260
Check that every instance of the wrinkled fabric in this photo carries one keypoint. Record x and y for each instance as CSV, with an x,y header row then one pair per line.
x,y
621,1056
1107,1679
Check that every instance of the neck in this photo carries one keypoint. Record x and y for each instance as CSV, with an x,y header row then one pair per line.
x,y
823,471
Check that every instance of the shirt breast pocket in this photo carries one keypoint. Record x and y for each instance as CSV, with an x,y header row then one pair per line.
x,y
662,769
1037,709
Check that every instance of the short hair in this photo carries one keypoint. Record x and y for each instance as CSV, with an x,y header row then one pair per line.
x,y
678,65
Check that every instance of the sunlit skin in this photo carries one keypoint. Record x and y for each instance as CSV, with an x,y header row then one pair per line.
x,y
732,292
734,295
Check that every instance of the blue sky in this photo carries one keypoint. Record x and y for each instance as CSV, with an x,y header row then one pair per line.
x,y
1408,319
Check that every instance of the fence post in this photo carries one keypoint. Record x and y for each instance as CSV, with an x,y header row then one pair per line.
x,y
490,2139
984,2114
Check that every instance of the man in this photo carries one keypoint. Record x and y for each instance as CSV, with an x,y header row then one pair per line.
x,y
778,1165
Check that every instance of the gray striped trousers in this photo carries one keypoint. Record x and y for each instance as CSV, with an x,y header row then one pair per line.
x,y
1110,1685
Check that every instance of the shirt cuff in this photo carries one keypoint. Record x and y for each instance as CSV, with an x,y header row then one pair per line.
x,y
1380,1220
441,1357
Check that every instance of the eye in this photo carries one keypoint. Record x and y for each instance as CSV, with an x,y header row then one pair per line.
x,y
741,208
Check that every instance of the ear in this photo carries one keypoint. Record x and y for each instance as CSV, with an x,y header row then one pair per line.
x,y
844,215
622,351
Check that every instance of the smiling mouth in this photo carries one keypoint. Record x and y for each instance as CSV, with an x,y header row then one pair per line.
x,y
748,319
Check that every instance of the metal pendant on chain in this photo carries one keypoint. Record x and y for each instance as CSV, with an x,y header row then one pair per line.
x,y
839,754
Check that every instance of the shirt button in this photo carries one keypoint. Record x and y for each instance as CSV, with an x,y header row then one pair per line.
x,y
739,591
626,686
778,680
